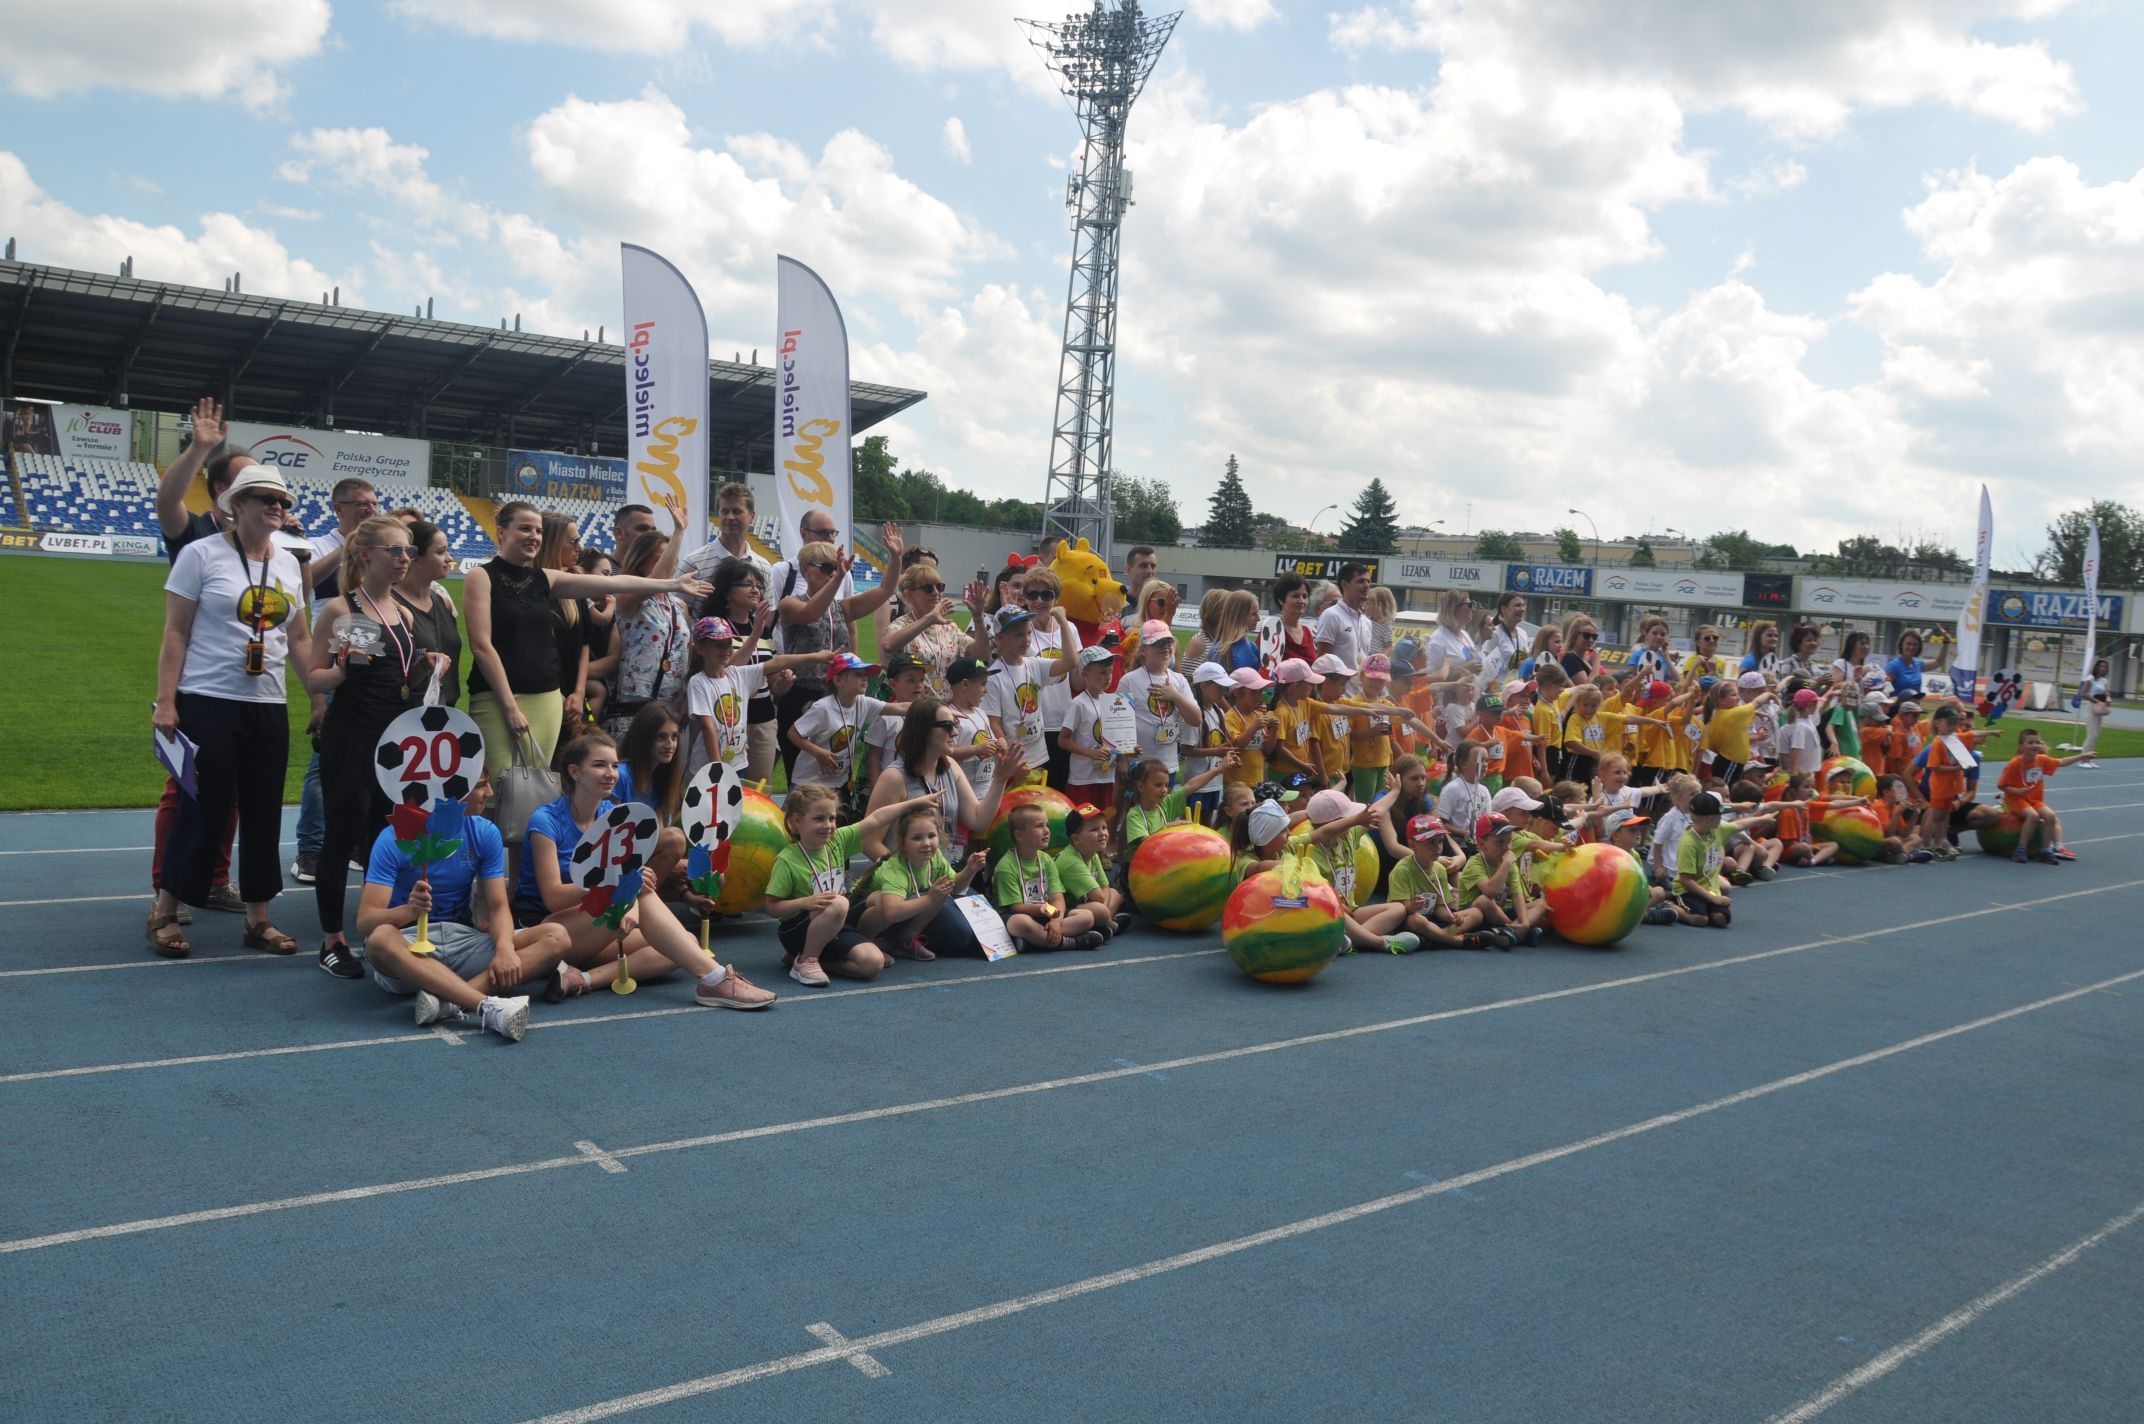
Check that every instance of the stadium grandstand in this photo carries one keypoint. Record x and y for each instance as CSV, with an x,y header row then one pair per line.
x,y
473,395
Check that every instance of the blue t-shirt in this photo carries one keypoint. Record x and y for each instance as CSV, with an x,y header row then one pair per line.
x,y
1905,675
624,789
483,853
554,819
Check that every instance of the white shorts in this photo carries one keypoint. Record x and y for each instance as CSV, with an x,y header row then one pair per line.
x,y
464,949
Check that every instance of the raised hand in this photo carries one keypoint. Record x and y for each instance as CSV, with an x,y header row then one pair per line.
x,y
209,429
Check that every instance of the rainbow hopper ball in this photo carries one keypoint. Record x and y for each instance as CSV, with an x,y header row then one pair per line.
x,y
1180,877
758,838
2001,838
1282,926
1596,895
1054,808
1856,830
1864,780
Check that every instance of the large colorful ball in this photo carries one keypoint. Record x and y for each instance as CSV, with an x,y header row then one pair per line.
x,y
1053,804
1856,830
2001,838
1180,877
1272,937
1366,868
758,838
1596,895
1863,784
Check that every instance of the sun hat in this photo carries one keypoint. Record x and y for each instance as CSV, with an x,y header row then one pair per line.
x,y
250,480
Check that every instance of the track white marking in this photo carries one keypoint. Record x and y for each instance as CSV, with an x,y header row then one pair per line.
x,y
1856,1380
1018,1090
601,1158
91,1069
255,957
871,1367
998,1310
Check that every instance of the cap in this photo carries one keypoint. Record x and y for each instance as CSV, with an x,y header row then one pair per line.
x,y
1752,680
1708,682
1490,702
1491,825
1155,631
1406,650
1909,709
1657,691
1512,796
1704,803
250,479
1621,819
1331,666
1332,805
1516,689
849,662
1273,791
1251,678
1403,671
1295,670
713,630
1077,818
965,670
1010,618
1209,672
1377,667
904,660
1806,697
1266,821
1095,657
1423,827
1872,677
1550,810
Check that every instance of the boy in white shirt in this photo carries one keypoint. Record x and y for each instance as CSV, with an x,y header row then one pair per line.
x,y
728,679
904,684
975,745
830,728
1013,698
1161,700
1091,773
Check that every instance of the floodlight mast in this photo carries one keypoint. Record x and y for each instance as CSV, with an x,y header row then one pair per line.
x,y
1103,58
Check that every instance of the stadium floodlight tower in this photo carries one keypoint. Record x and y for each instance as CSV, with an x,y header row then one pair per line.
x,y
1103,58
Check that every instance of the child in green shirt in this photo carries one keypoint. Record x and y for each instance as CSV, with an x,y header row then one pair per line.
x,y
1335,826
1697,864
1490,882
1423,885
908,895
1153,805
1030,893
807,889
1084,872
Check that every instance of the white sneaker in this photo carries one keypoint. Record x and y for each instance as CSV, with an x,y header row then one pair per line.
x,y
808,971
508,1018
432,1009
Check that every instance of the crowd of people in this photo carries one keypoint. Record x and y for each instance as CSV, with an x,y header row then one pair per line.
x,y
1461,764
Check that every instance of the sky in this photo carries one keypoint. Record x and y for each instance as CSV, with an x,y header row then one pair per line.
x,y
1812,270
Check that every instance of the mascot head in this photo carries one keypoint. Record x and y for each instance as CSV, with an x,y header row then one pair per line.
x,y
1090,595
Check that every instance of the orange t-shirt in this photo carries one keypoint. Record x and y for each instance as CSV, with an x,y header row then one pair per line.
x,y
1791,821
1946,778
1875,749
2024,781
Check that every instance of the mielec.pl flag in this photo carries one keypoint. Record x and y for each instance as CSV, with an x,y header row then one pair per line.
x,y
811,401
665,390
2091,601
1965,666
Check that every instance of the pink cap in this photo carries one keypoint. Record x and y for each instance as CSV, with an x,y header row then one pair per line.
x,y
1331,805
1155,631
1516,689
1805,698
1295,670
1377,667
1250,678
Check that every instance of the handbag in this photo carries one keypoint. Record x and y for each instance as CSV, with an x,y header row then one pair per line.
x,y
520,789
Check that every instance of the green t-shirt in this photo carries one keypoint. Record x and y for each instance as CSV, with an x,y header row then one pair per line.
x,y
1408,879
1845,726
1080,875
1017,881
1139,823
895,878
798,872
1471,876
1335,865
1700,854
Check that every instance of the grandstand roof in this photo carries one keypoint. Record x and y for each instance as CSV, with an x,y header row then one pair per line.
x,y
122,341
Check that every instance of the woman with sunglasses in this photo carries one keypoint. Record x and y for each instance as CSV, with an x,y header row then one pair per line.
x,y
372,656
1451,652
233,616
1581,647
925,628
927,768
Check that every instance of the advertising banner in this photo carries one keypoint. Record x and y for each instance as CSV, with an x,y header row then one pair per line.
x,y
1427,571
1965,661
1321,566
2091,594
665,391
1667,586
2051,608
547,472
77,432
1872,599
1565,579
325,456
811,401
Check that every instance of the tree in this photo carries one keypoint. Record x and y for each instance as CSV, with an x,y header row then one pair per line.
x,y
2121,546
1736,549
1230,521
875,493
1373,525
1641,555
1145,510
1568,547
1496,544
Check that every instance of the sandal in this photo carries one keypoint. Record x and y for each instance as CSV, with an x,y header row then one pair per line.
x,y
558,991
269,940
165,937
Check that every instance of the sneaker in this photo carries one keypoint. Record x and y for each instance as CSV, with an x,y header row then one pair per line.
x,y
1736,878
1402,943
1892,857
1347,947
805,971
2018,855
734,992
1092,939
1945,852
1921,857
431,1009
339,961
2048,857
225,897
914,949
301,869
1502,937
1766,872
1533,936
1659,915
1123,923
508,1018
2064,853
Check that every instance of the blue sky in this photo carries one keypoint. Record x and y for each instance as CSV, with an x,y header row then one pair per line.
x,y
1814,270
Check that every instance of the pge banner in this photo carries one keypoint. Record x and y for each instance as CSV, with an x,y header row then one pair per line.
x,y
1549,579
2050,608
77,432
1882,600
665,388
811,401
560,476
325,456
1667,586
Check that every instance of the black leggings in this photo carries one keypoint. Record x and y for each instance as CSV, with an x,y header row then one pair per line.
x,y
244,751
355,808
788,708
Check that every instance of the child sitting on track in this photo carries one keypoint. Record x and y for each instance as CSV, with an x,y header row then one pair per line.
x,y
1083,868
1030,893
1697,864
1490,882
1901,823
2024,789
1336,825
908,895
807,891
1152,805
1423,883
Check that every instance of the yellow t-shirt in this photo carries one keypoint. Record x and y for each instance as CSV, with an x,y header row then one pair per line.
x,y
1597,735
1297,730
1727,734
1331,729
1548,719
1251,768
1369,742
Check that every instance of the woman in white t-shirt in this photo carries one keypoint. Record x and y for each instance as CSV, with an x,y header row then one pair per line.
x,y
1501,649
2098,702
1450,652
234,618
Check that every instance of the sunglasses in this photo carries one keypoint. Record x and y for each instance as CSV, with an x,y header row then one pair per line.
x,y
827,568
930,588
1041,593
398,551
1589,637
273,501
947,726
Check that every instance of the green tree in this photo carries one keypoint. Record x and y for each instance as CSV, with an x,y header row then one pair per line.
x,y
2121,546
1496,544
875,492
1145,510
1229,517
1373,525
1641,554
1737,549
1569,548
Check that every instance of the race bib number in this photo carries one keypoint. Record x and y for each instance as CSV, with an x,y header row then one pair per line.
x,y
827,881
1344,873
1035,891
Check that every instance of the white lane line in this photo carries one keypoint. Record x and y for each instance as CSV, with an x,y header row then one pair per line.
x,y
1108,1075
142,896
92,1069
1855,1380
256,957
870,1366
601,1158
998,1310
2087,810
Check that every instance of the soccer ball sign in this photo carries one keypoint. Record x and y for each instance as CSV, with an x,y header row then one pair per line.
x,y
617,845
429,754
713,802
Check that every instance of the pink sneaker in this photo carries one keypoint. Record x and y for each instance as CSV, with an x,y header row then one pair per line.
x,y
807,971
734,992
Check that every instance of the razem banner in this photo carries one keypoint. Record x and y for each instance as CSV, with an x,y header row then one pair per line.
x,y
76,432
1549,579
811,401
1965,662
322,457
665,390
561,476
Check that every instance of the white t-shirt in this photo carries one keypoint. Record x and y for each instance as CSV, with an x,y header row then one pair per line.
x,y
1014,696
701,563
723,700
1798,746
1500,653
1349,632
224,590
1443,644
1048,648
1461,804
883,733
974,731
837,728
1161,721
1667,838
1083,728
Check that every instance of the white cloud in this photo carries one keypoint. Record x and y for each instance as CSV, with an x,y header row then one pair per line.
x,y
956,141
642,27
369,161
277,210
1768,179
990,365
205,49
